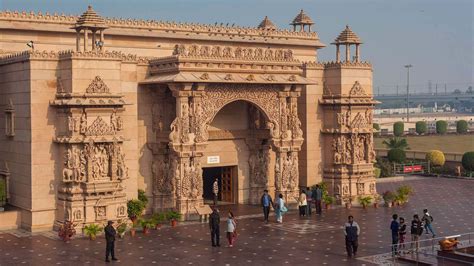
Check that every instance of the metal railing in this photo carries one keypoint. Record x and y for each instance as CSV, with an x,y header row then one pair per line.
x,y
428,248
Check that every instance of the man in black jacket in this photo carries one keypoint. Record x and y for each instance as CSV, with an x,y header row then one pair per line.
x,y
351,231
110,240
214,221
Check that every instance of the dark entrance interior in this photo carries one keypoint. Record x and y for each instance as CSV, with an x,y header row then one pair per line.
x,y
225,179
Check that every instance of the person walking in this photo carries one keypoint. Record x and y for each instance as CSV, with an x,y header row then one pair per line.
x,y
317,197
214,221
280,208
309,199
215,190
402,231
394,227
416,230
302,203
110,241
427,220
267,202
231,229
351,232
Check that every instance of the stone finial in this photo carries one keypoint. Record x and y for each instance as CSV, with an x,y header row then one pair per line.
x,y
302,20
267,24
90,19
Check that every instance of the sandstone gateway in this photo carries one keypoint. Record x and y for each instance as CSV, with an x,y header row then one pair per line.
x,y
94,108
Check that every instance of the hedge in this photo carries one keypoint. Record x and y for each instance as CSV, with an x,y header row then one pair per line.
x,y
461,127
377,172
421,127
468,161
377,129
396,155
398,129
435,157
441,127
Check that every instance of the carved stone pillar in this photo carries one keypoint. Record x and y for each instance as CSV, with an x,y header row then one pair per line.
x,y
357,56
85,40
78,40
348,52
338,54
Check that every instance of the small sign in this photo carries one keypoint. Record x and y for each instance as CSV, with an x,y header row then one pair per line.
x,y
213,159
412,168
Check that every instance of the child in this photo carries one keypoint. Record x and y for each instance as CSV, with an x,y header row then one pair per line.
x,y
231,226
427,220
401,234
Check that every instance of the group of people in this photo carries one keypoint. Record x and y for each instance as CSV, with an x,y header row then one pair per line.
x,y
214,226
307,198
399,230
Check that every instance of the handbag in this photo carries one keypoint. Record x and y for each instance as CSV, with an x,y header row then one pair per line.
x,y
284,209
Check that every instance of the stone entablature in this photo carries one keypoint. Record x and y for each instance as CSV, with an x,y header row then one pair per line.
x,y
164,26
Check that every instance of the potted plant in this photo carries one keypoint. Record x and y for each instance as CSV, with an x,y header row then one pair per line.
x,y
403,193
133,229
328,200
365,201
121,229
376,200
91,230
173,217
348,202
159,219
388,197
146,225
135,208
67,230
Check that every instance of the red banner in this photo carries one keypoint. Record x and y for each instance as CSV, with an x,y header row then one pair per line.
x,y
412,168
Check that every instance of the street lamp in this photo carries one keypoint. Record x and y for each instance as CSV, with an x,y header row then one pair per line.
x,y
408,90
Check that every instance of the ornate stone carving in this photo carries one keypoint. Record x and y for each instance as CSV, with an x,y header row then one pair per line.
x,y
360,188
116,122
162,174
195,50
294,122
74,170
83,123
372,188
100,128
97,86
121,211
258,167
369,116
359,121
100,213
345,190
191,182
357,90
72,124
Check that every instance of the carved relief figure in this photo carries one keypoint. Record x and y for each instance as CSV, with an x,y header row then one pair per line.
x,y
101,213
73,124
83,126
97,86
360,189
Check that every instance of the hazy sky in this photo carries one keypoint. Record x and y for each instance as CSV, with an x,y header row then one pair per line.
x,y
435,36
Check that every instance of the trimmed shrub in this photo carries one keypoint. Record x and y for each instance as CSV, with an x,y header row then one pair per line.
x,y
377,172
385,167
441,127
398,129
461,126
468,161
142,197
396,155
435,157
421,127
377,129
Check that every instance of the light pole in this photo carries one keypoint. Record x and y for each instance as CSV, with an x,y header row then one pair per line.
x,y
408,91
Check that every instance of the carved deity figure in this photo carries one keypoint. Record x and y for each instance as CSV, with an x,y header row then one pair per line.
x,y
83,125
113,121
72,124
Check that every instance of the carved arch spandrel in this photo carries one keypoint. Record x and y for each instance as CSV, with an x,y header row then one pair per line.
x,y
265,97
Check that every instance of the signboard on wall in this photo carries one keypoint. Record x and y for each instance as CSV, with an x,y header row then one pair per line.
x,y
213,159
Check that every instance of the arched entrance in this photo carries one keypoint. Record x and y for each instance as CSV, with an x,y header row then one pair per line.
x,y
196,107
238,153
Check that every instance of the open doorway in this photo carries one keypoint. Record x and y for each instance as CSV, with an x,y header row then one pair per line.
x,y
226,180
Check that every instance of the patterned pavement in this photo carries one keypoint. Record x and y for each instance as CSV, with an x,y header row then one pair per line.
x,y
298,241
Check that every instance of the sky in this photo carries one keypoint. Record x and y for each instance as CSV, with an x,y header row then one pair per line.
x,y
435,36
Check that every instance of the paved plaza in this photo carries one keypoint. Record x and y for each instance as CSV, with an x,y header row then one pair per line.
x,y
315,241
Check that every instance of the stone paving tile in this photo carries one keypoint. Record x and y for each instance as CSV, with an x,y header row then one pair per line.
x,y
318,241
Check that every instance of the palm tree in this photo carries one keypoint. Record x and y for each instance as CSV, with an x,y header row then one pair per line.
x,y
396,143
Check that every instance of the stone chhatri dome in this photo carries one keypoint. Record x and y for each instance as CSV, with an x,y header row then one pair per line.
x,y
267,24
90,19
347,36
302,18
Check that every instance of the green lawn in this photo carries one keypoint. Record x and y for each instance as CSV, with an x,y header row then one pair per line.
x,y
447,143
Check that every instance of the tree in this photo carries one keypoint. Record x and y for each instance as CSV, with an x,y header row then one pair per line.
x,y
468,161
470,90
377,129
457,91
398,129
435,157
396,155
441,127
396,143
421,127
461,126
